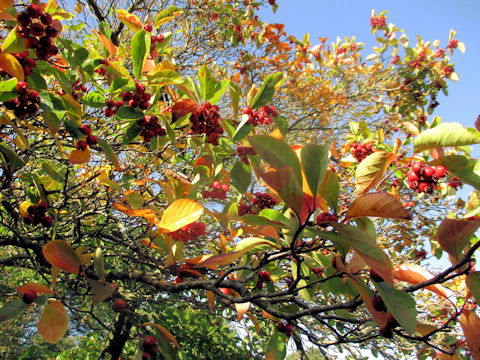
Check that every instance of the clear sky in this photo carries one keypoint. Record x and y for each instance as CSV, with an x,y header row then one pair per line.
x,y
432,19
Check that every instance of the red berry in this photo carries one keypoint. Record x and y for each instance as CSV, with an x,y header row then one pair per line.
x,y
21,87
86,129
119,305
386,332
378,304
440,171
428,172
91,139
81,145
417,167
216,185
148,26
148,343
225,291
29,296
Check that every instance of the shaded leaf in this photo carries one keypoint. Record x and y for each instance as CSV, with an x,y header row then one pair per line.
x,y
60,254
38,288
101,292
415,274
277,346
164,332
446,134
53,323
367,295
107,149
453,235
13,161
240,177
473,284
182,108
371,170
467,170
329,189
314,163
11,309
378,205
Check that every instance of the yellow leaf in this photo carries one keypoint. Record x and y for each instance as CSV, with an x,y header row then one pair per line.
x,y
130,20
470,323
415,274
211,299
78,7
53,323
11,66
5,4
148,214
180,213
371,170
241,308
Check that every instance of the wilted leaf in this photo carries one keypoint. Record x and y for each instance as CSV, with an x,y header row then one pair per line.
x,y
371,170
415,274
38,288
453,235
53,323
101,292
470,323
58,253
180,213
182,108
446,134
378,205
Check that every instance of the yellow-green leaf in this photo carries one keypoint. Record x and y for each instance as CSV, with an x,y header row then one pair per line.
x,y
371,170
180,213
53,323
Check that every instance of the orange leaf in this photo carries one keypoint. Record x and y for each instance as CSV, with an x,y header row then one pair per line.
x,y
241,308
149,243
80,157
148,214
366,294
415,274
111,48
10,65
182,108
54,322
470,323
38,288
378,205
453,235
180,213
164,332
58,253
5,4
130,20
211,299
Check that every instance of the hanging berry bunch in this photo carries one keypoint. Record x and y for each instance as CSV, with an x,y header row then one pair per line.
x,y
217,191
361,151
37,214
38,29
26,62
138,99
102,70
205,121
150,127
263,116
243,152
26,104
260,202
112,107
189,232
285,327
423,178
89,140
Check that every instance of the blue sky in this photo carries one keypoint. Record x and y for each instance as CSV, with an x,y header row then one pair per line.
x,y
431,19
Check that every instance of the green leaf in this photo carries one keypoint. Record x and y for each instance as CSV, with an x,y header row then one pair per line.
x,y
166,15
12,160
277,346
266,92
140,50
132,132
255,244
208,84
8,85
314,163
107,149
220,89
240,177
11,309
446,134
235,94
367,248
473,284
400,304
127,113
275,215
8,95
165,77
371,170
52,172
74,129
276,153
13,44
94,99
467,170
329,189
242,130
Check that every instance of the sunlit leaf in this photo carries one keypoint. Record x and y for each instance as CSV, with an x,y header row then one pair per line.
x,y
11,66
79,156
60,254
148,214
470,323
111,48
266,91
378,205
371,170
140,49
53,323
166,15
180,213
467,170
415,274
130,20
446,134
241,308
182,108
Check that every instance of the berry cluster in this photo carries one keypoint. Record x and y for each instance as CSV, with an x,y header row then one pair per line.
x,y
244,151
112,107
27,62
285,327
263,277
424,178
89,139
29,296
150,127
317,271
361,151
452,44
260,202
102,70
37,28
205,121
26,104
455,183
189,232
138,99
263,116
218,191
378,21
37,215
149,347
78,89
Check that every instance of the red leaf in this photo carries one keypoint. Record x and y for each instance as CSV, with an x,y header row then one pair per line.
x,y
38,288
182,108
58,253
